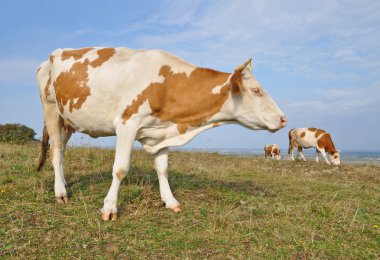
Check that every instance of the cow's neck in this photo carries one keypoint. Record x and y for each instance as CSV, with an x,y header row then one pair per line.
x,y
191,100
186,100
329,145
330,148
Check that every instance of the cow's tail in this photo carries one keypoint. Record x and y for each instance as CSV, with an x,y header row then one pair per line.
x,y
290,141
44,148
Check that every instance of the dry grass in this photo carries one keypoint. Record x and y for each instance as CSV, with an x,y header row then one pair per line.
x,y
233,207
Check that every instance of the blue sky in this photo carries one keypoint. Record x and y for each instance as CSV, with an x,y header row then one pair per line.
x,y
320,60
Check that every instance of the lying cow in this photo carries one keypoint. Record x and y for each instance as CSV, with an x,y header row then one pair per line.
x,y
313,137
272,150
150,96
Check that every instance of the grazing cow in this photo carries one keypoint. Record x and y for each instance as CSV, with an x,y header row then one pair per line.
x,y
146,95
313,137
272,150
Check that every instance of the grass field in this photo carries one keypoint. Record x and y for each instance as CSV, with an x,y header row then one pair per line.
x,y
232,207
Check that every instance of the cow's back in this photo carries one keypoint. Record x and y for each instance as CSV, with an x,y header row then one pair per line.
x,y
91,87
306,137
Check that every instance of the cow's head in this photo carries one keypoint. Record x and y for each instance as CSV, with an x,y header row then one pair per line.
x,y
335,158
277,154
253,106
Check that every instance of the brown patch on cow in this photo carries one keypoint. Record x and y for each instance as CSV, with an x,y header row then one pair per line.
x,y
120,174
290,134
71,86
182,128
335,156
236,82
104,55
303,134
276,151
46,89
76,54
319,132
325,142
184,100
313,129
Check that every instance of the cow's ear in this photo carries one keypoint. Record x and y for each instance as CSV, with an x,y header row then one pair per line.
x,y
236,82
244,68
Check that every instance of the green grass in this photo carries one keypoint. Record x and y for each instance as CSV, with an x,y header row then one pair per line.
x,y
232,207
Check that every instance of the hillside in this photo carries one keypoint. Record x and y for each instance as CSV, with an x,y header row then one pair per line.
x,y
232,207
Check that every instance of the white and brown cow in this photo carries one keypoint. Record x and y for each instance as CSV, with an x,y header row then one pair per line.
x,y
147,95
272,150
313,137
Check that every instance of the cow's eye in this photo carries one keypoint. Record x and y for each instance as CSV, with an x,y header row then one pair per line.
x,y
256,91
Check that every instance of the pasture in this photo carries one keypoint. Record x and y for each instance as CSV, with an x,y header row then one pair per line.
x,y
232,207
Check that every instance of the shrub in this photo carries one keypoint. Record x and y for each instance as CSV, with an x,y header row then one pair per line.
x,y
16,134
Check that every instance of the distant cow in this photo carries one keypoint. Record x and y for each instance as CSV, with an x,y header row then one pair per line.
x,y
272,150
147,95
313,137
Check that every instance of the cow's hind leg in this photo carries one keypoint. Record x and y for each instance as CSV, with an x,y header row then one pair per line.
x,y
161,166
125,138
291,150
66,133
59,136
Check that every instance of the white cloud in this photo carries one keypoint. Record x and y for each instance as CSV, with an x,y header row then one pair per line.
x,y
294,36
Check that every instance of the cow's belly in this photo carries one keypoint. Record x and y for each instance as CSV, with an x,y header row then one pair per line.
x,y
307,143
89,124
157,135
95,117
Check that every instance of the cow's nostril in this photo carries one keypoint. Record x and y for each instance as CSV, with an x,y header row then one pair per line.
x,y
283,120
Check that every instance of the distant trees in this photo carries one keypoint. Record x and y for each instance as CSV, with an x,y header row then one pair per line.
x,y
16,134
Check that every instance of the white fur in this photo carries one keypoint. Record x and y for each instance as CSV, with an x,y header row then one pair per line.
x,y
161,166
216,90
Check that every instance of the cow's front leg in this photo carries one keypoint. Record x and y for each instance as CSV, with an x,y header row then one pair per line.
x,y
317,155
161,166
323,152
301,154
125,138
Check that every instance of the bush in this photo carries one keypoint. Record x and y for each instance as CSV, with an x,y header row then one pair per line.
x,y
16,134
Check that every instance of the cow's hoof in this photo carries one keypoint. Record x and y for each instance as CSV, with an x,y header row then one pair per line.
x,y
176,209
109,216
62,199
